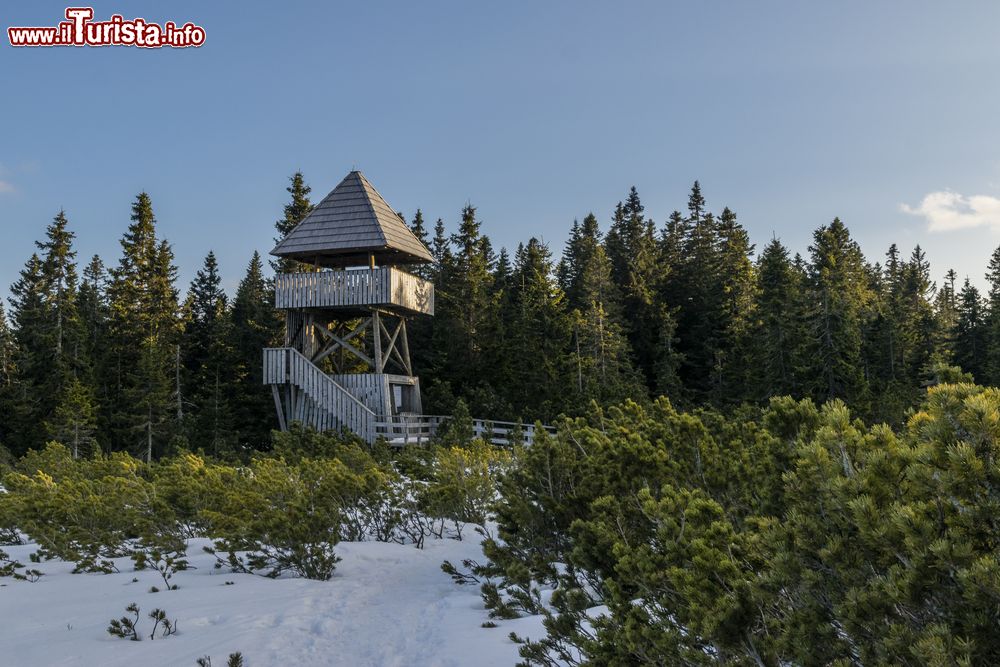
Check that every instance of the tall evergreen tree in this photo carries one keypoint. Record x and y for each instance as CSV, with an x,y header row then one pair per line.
x,y
32,357
419,230
48,326
538,334
208,359
254,326
701,316
970,332
8,380
93,311
440,248
143,335
992,360
737,288
636,268
296,211
466,314
778,327
60,284
839,294
600,351
74,420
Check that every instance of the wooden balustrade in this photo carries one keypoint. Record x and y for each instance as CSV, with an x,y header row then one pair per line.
x,y
385,286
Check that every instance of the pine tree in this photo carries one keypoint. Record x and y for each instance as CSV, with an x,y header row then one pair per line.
x,y
8,380
74,420
60,283
466,317
295,212
143,335
49,334
778,335
30,332
737,286
635,267
538,334
440,247
92,305
254,326
701,312
600,351
208,359
839,294
992,328
970,332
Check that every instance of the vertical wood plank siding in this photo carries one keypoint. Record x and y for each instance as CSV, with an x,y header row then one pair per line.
x,y
382,286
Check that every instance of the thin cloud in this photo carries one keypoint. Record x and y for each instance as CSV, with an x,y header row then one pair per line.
x,y
6,188
947,211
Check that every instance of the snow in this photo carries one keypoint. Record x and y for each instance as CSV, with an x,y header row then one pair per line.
x,y
387,604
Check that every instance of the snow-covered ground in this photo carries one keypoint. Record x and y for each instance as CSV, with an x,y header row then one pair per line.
x,y
387,605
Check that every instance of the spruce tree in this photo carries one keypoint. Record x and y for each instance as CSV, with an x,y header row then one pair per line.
x,y
922,338
466,317
777,334
60,284
440,248
208,359
143,335
946,312
49,334
32,359
970,332
701,310
992,357
839,295
93,311
538,334
8,380
74,421
600,352
296,211
737,288
636,268
254,326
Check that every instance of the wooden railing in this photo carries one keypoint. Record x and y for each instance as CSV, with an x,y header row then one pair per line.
x,y
381,286
321,402
328,406
419,429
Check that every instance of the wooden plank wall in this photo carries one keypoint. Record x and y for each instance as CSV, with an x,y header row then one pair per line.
x,y
372,389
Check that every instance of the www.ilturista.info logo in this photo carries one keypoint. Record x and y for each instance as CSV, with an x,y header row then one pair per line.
x,y
80,30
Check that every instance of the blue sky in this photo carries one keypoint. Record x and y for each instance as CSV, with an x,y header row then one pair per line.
x,y
791,113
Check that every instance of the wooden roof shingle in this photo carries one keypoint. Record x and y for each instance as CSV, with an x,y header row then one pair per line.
x,y
350,223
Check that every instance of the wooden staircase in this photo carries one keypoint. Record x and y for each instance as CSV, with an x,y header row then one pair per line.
x,y
314,398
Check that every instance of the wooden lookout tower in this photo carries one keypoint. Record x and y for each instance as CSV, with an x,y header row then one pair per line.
x,y
345,363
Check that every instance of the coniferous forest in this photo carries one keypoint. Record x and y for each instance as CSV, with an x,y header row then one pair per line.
x,y
112,354
760,456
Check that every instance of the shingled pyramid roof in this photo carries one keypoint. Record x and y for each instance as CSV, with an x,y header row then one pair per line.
x,y
350,223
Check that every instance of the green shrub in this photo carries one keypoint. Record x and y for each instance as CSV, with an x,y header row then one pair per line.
x,y
463,483
278,517
88,512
